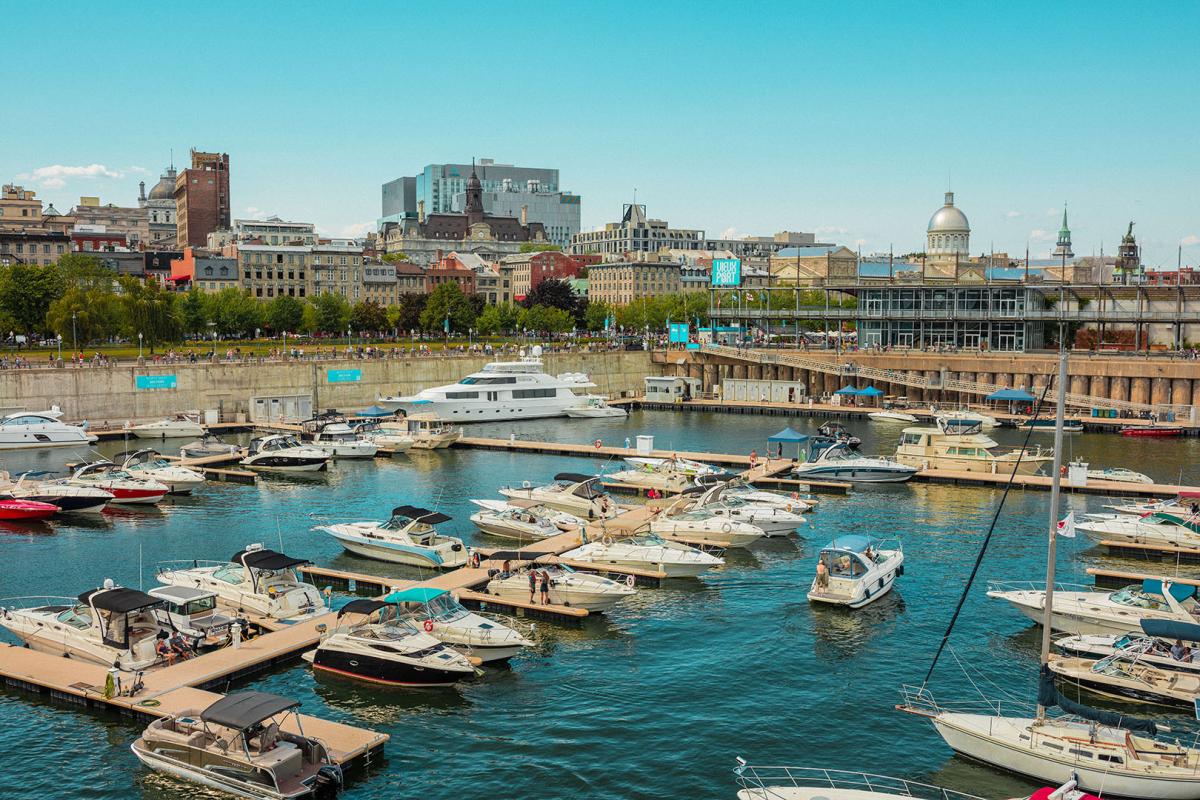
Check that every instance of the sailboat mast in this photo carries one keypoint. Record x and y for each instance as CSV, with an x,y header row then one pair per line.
x,y
1055,486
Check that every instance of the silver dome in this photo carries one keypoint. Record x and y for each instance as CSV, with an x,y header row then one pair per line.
x,y
949,219
165,188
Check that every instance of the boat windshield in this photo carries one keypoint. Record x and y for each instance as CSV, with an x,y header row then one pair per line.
x,y
843,564
27,419
79,617
199,606
1135,597
229,573
445,608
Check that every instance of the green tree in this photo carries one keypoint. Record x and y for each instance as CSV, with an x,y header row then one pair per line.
x,y
149,311
85,315
235,312
284,313
545,319
503,318
395,258
195,312
332,312
553,293
539,247
26,292
406,316
447,301
84,271
367,315
597,313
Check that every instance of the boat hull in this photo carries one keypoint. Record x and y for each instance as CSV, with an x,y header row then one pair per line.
x,y
383,670
221,783
288,464
398,553
856,474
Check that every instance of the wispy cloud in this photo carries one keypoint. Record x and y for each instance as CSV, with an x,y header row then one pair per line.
x,y
253,212
733,233
825,230
55,176
1013,214
139,170
1039,235
355,230
1190,240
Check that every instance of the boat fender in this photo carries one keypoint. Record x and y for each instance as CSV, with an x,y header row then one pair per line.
x,y
526,484
900,570
428,625
606,540
475,560
456,548
726,528
630,581
598,443
493,573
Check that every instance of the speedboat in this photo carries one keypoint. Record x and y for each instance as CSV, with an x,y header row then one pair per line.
x,y
966,418
744,490
1104,613
572,492
701,528
284,453
68,497
431,432
1125,675
858,570
1187,502
407,537
595,407
445,619
773,520
1153,645
1152,430
12,510
1161,527
523,523
389,436
502,390
818,783
684,465
888,415
124,488
567,587
207,446
832,429
243,745
150,464
193,612
339,440
110,626
834,460
255,580
382,646
663,475
1046,425
647,551
180,426
1119,475
38,429
962,447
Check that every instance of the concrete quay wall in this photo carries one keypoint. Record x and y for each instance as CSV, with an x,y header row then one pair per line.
x,y
111,393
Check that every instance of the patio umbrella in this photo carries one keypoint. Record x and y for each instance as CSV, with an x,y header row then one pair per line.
x,y
790,436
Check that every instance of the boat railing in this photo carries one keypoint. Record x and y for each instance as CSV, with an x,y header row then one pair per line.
x,y
35,601
763,779
186,563
1027,586
920,701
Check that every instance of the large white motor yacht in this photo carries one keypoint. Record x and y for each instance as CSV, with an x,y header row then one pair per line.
x,y
647,551
446,620
572,492
37,429
567,587
110,625
502,390
523,523
284,453
407,537
962,447
1104,613
256,580
857,571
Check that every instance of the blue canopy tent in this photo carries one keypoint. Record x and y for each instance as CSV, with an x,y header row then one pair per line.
x,y
787,436
1010,396
375,411
848,390
871,393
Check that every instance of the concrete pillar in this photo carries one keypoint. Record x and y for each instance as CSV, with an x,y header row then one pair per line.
x,y
1118,389
1196,393
1079,384
1027,381
1099,386
1139,390
712,377
1181,392
1160,390
739,371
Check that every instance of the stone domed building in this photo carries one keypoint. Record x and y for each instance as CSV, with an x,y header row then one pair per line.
x,y
160,207
947,240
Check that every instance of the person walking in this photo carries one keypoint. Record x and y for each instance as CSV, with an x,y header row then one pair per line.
x,y
533,585
545,588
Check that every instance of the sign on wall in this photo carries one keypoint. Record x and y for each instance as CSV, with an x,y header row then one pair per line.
x,y
156,382
727,272
344,375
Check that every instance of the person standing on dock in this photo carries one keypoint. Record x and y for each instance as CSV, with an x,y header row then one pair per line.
x,y
545,588
753,459
533,585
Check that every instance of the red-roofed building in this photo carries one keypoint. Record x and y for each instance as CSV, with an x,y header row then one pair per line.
x,y
526,270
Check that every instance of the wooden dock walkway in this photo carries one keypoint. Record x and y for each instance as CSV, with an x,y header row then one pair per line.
x,y
1117,579
1141,551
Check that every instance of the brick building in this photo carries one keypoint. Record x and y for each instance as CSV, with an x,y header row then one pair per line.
x,y
526,270
202,198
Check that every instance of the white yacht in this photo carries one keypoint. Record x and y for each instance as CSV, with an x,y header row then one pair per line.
x,y
962,447
109,625
595,407
702,528
858,570
572,492
180,426
1104,613
38,429
284,453
336,439
523,523
1158,528
193,612
773,520
207,446
684,465
430,432
407,537
125,488
150,465
891,415
567,587
502,390
744,490
1153,645
647,551
67,496
663,475
835,461
446,620
391,436
1118,475
964,416
257,580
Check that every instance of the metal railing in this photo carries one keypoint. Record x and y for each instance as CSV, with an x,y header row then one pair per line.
x,y
765,782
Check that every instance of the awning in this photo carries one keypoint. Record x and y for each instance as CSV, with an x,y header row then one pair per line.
x,y
417,594
1180,591
1170,629
573,477
121,601
362,606
266,559
788,435
422,514
242,710
1011,396
870,391
847,390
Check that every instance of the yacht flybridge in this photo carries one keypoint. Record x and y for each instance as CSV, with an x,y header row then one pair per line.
x,y
37,429
502,390
255,579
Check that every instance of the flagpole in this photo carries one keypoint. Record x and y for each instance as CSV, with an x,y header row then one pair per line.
x,y
1055,488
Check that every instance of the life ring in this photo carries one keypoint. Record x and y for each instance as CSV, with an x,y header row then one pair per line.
x,y
726,528
475,560
151,703
428,626
598,443
630,581
606,540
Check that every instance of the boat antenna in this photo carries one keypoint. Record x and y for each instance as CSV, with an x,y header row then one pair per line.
x,y
1055,491
986,539
279,533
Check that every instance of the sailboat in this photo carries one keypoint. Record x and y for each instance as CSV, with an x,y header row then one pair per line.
x,y
1102,750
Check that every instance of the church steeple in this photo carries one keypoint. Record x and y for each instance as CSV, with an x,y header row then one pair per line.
x,y
1063,249
474,197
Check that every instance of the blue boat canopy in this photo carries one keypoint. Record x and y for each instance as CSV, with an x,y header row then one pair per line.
x,y
417,594
854,543
870,391
847,390
1180,591
788,435
1011,396
375,411
1170,629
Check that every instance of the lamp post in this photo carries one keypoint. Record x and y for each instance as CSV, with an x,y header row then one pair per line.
x,y
348,346
139,346
60,349
74,338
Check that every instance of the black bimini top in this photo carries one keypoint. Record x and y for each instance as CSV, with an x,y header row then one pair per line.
x,y
242,710
695,490
362,606
574,477
121,601
131,453
266,559
422,514
517,555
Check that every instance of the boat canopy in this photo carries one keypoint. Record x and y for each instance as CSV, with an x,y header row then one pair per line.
x,y
788,435
1011,396
420,514
120,601
847,390
362,606
417,594
870,391
128,454
517,555
1171,629
1180,591
573,477
266,559
692,490
242,710
854,543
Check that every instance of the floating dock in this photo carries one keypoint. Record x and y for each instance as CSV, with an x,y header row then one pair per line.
x,y
1116,579
1141,551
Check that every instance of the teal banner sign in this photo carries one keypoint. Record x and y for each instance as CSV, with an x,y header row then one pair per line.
x,y
344,375
678,332
156,382
693,346
727,272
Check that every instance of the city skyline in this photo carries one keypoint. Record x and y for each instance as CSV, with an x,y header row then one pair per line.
x,y
847,122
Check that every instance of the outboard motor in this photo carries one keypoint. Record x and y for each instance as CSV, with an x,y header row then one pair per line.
x,y
328,782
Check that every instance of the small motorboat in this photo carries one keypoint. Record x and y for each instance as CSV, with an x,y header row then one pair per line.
x,y
773,520
1153,646
193,612
1046,425
830,459
393,439
445,619
567,587
180,426
1090,612
679,523
647,551
832,429
243,745
284,453
68,497
683,465
1125,675
25,510
744,490
965,418
889,415
381,645
124,488
1118,475
595,407
430,432
1151,430
207,446
1160,527
150,464
667,475
523,523
407,537
337,439
572,492
854,571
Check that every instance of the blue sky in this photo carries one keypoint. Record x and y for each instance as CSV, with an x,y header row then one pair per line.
x,y
844,118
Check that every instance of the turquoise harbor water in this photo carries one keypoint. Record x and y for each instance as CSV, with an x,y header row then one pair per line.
x,y
655,700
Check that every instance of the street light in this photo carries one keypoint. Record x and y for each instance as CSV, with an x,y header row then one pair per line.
x,y
60,349
348,346
139,345
74,339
